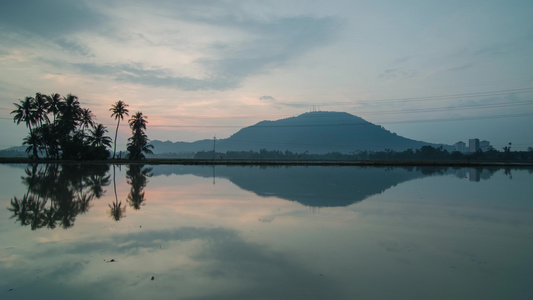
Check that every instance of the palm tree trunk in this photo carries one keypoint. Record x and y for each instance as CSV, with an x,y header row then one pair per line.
x,y
116,133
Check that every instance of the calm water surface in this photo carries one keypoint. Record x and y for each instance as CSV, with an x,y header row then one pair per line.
x,y
200,232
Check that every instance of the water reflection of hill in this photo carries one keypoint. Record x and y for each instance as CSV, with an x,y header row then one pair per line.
x,y
309,185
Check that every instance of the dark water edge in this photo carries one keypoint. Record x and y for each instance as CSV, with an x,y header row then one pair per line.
x,y
273,162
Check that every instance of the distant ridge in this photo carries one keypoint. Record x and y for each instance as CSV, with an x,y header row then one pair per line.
x,y
314,132
17,151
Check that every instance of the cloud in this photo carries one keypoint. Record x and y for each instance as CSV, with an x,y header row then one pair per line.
x,y
402,59
49,19
397,73
267,98
73,47
237,42
271,44
156,76
460,68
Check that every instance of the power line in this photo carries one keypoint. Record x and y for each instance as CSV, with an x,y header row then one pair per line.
x,y
409,110
499,116
455,96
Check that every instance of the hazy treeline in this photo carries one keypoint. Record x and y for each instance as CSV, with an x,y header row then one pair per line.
x,y
424,153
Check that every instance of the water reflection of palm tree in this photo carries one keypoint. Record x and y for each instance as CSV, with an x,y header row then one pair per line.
x,y
84,202
117,211
19,208
137,177
29,211
96,182
57,194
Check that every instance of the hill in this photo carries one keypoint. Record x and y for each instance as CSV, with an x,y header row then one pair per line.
x,y
314,132
19,151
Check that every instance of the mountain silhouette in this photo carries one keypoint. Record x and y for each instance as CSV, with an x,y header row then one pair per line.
x,y
315,132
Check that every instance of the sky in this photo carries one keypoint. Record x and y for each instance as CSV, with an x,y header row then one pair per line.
x,y
436,71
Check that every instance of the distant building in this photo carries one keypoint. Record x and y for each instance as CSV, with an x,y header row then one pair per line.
x,y
460,147
473,145
484,146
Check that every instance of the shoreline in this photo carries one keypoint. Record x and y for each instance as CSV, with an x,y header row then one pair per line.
x,y
271,162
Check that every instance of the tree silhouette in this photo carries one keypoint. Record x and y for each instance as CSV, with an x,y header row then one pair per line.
x,y
41,109
138,143
70,113
118,110
98,137
25,112
65,137
86,119
33,140
54,105
99,142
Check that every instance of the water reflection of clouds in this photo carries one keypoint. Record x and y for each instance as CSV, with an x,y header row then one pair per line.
x,y
219,258
224,202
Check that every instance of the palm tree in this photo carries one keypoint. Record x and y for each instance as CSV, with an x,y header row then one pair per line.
x,y
118,111
86,119
33,140
138,122
25,112
98,137
54,104
70,113
139,142
41,108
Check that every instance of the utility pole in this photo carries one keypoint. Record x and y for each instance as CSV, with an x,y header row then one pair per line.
x,y
214,143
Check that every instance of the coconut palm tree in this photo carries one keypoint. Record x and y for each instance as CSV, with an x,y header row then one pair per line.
x,y
98,137
33,140
118,110
41,109
25,112
70,113
54,104
86,119
139,142
138,122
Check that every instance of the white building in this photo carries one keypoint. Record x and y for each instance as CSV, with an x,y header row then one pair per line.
x,y
473,145
460,147
484,145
